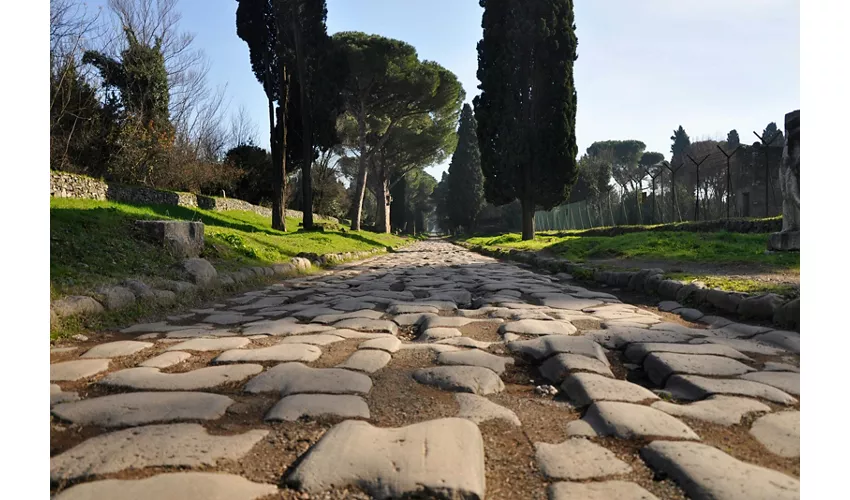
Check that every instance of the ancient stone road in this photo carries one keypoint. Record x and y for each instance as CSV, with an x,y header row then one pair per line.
x,y
431,370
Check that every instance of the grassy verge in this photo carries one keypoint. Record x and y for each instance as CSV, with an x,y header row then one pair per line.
x,y
738,284
679,248
717,248
95,242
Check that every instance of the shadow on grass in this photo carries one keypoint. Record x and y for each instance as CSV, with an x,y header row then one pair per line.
x,y
93,242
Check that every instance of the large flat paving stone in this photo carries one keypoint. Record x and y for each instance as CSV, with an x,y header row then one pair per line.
x,y
57,395
480,409
166,359
169,445
229,318
544,347
438,333
292,408
569,302
617,338
436,347
773,366
637,352
366,360
472,379
174,486
388,344
77,369
466,342
605,490
412,319
746,346
443,457
790,341
660,365
116,349
354,334
355,304
475,357
283,327
704,473
333,318
283,352
538,327
190,333
779,433
558,367
311,312
578,459
405,308
786,381
586,388
220,344
628,421
722,410
368,325
693,387
296,378
317,339
140,408
447,322
151,379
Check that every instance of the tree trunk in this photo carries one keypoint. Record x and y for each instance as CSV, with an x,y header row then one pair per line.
x,y
279,202
362,172
278,219
527,220
306,132
654,201
638,200
384,200
623,205
382,195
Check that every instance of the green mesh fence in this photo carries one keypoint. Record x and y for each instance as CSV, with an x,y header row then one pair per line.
x,y
571,216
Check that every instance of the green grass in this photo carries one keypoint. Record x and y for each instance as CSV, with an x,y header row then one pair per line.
x,y
738,284
94,242
678,246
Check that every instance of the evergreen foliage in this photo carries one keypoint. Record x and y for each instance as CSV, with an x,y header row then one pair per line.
x,y
527,106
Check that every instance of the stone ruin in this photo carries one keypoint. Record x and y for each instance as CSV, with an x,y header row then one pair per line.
x,y
184,239
789,176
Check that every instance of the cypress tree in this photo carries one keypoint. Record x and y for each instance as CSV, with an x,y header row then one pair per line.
x,y
466,181
527,106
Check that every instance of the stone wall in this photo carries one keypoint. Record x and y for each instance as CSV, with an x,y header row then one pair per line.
x,y
66,185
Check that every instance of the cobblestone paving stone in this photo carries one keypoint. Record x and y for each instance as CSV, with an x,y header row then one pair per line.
x,y
426,372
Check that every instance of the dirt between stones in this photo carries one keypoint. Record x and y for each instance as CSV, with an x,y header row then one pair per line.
x,y
396,400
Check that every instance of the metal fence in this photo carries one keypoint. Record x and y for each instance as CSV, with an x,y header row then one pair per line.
x,y
565,217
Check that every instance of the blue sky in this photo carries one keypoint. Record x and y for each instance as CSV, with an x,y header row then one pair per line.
x,y
644,66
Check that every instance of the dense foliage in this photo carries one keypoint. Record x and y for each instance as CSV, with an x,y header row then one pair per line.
x,y
527,106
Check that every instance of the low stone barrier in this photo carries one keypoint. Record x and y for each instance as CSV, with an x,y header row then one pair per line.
x,y
198,274
771,307
67,185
